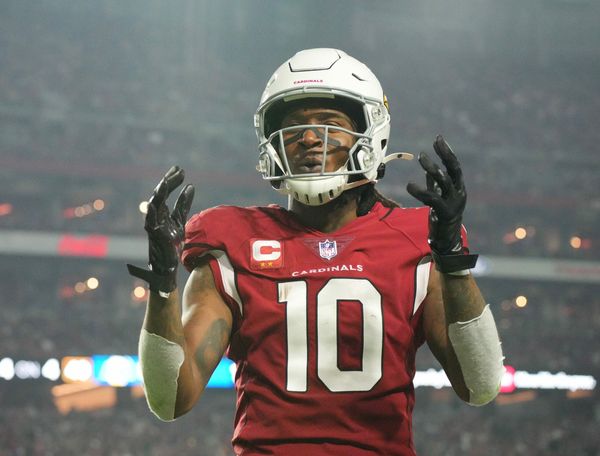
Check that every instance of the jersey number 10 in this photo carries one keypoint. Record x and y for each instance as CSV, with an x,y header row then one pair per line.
x,y
294,294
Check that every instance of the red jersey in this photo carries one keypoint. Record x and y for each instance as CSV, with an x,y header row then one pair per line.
x,y
326,326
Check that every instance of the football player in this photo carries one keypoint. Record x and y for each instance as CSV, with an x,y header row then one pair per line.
x,y
322,305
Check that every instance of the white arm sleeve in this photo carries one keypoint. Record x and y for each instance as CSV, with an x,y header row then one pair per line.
x,y
160,361
477,347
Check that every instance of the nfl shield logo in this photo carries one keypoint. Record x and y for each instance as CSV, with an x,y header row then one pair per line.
x,y
327,249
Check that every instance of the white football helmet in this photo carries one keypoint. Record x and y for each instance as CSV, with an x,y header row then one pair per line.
x,y
337,78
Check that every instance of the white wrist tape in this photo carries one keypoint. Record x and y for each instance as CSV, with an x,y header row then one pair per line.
x,y
462,272
477,347
160,360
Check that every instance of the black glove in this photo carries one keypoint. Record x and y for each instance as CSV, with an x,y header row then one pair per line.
x,y
446,196
165,233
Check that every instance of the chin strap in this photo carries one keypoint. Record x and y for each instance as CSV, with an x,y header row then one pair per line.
x,y
355,184
381,169
398,156
389,158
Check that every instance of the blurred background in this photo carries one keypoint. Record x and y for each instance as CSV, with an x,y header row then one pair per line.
x,y
99,98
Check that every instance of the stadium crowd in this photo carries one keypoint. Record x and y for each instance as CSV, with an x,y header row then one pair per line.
x,y
544,426
129,431
103,116
554,332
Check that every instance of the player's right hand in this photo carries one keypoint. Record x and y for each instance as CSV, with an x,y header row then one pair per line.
x,y
166,231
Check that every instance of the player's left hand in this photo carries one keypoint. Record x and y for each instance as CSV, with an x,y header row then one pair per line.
x,y
445,195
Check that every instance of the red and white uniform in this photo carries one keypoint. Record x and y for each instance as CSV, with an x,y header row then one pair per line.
x,y
326,326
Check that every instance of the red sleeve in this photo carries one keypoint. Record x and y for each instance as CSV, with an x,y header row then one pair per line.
x,y
207,233
203,234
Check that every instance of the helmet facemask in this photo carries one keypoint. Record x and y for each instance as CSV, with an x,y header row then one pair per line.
x,y
275,165
316,188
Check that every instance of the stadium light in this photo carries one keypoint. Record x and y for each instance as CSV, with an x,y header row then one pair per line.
x,y
5,209
520,233
92,283
521,301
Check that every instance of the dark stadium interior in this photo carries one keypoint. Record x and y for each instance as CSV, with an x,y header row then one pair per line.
x,y
99,99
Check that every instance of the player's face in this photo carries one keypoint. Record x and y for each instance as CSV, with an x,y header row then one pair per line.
x,y
304,147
